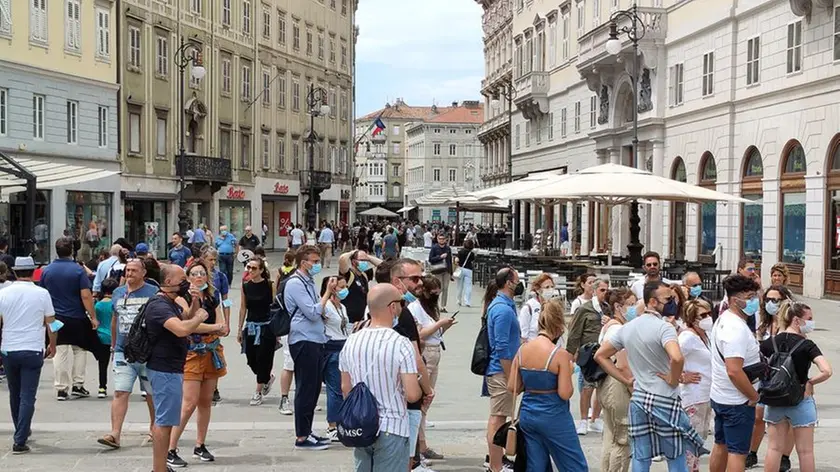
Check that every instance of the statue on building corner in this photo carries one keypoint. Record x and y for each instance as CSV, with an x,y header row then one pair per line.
x,y
645,103
603,112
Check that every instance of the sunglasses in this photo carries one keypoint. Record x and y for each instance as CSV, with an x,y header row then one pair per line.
x,y
652,264
253,267
198,273
774,300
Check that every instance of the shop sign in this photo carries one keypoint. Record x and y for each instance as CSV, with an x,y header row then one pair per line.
x,y
234,193
345,195
285,221
282,189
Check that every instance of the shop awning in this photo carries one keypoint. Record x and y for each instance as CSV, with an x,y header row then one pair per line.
x,y
50,174
405,209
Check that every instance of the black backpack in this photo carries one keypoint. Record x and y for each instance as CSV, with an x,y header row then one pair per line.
x,y
139,343
481,350
782,386
280,320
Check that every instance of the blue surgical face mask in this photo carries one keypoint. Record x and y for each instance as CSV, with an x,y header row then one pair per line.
x,y
364,266
55,326
203,287
315,270
409,297
630,314
223,233
752,306
771,307
342,294
695,290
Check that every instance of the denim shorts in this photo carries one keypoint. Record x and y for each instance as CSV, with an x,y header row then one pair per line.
x,y
803,415
733,426
414,419
126,373
167,393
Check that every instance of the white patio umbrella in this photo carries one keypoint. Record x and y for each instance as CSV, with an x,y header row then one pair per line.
x,y
504,190
442,197
379,211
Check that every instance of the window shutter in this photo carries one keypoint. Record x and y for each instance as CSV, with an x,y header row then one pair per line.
x,y
68,25
77,29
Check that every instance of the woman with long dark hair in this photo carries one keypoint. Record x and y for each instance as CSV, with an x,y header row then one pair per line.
x,y
336,324
584,290
254,316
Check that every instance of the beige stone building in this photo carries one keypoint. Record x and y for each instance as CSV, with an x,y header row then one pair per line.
x,y
245,121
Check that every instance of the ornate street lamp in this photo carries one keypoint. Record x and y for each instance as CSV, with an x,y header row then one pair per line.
x,y
186,55
316,102
509,93
635,32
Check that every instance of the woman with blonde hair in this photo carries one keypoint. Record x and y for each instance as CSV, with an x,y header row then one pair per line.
x,y
779,274
696,380
543,371
542,289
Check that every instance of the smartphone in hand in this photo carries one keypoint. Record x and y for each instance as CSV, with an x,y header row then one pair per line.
x,y
455,314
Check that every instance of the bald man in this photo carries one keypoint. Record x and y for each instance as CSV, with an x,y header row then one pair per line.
x,y
389,370
104,268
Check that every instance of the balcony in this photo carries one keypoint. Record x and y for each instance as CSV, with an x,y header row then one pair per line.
x,y
532,94
206,169
494,128
322,180
497,77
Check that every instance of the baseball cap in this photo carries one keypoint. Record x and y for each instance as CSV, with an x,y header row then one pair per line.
x,y
141,248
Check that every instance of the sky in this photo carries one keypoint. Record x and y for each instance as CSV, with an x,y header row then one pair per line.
x,y
424,52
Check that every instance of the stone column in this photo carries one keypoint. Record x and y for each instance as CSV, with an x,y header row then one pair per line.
x,y
813,277
618,213
659,226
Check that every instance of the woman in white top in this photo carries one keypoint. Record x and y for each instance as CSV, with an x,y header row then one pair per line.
x,y
613,395
542,290
585,291
336,325
311,239
696,380
426,313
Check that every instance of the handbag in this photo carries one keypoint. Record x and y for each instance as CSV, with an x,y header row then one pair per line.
x,y
458,273
513,427
438,269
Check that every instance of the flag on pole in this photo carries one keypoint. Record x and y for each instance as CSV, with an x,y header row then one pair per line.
x,y
379,127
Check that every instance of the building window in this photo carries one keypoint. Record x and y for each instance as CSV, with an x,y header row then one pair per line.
x,y
753,64
453,131
437,131
332,50
708,210
160,136
452,175
538,124
676,86
596,13
226,76
527,133
246,82
226,12
453,149
103,126
396,149
395,168
517,142
565,37
321,45
281,153
38,116
708,74
281,89
39,21
343,55
344,7
436,174
436,148
752,230
134,121
837,33
266,150
195,6
73,26
296,36
134,46
5,18
246,17
72,122
266,27
224,143
581,18
563,123
266,92
281,28
295,95
309,45
295,156
4,111
577,117
245,151
593,106
793,212
552,44
396,130
794,47
162,57
103,33
343,106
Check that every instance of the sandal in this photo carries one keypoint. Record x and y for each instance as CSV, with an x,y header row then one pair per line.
x,y
109,440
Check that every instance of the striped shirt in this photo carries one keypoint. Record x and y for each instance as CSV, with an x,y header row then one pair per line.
x,y
378,356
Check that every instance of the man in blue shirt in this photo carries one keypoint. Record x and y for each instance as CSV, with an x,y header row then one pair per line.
x,y
179,253
306,343
325,241
104,268
503,334
198,237
69,287
226,244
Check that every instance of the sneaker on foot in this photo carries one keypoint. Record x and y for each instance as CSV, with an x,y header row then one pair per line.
x,y
174,460
320,439
752,460
61,395
285,407
582,427
310,444
256,400
216,397
267,387
202,453
422,468
597,426
431,454
319,408
333,435
80,392
20,449
102,393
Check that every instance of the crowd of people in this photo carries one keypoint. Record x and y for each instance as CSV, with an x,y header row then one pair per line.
x,y
657,365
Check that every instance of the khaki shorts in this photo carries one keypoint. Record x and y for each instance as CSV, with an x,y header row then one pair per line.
x,y
501,400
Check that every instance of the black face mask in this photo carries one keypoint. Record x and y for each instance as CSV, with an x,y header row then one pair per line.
x,y
183,289
519,290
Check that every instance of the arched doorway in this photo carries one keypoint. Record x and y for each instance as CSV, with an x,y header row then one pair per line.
x,y
792,211
707,227
752,214
832,263
678,214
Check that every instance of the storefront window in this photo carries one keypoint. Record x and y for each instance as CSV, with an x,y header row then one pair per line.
x,y
708,210
753,227
236,215
678,209
146,221
89,221
793,228
834,239
13,224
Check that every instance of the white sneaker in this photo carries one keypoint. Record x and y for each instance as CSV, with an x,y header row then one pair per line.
x,y
267,387
333,435
256,400
597,426
582,427
422,468
285,406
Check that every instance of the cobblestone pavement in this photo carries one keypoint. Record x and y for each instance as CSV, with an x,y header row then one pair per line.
x,y
246,438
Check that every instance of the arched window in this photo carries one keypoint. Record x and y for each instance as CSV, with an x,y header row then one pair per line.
x,y
752,214
678,214
832,275
792,240
708,210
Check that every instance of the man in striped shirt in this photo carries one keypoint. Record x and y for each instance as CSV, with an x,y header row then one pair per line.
x,y
386,362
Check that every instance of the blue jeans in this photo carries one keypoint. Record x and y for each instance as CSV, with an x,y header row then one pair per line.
x,y
465,287
388,454
332,377
23,372
677,464
226,266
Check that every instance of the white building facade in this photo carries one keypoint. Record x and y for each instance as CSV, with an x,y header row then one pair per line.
x,y
738,96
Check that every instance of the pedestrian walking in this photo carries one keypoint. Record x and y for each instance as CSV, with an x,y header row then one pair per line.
x,y
466,261
253,333
179,254
227,246
104,309
440,257
325,242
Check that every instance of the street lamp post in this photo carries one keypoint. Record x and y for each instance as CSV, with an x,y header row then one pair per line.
x,y
635,32
187,54
509,93
316,102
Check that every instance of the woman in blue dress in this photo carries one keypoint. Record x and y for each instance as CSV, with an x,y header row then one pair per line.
x,y
545,375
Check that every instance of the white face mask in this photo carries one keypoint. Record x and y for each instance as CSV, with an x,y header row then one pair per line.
x,y
706,324
808,326
549,293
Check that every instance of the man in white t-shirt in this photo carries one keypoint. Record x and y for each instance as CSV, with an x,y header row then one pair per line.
x,y
428,239
297,237
25,310
734,349
652,265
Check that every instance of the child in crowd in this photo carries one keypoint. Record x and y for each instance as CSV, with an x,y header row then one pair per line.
x,y
104,310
